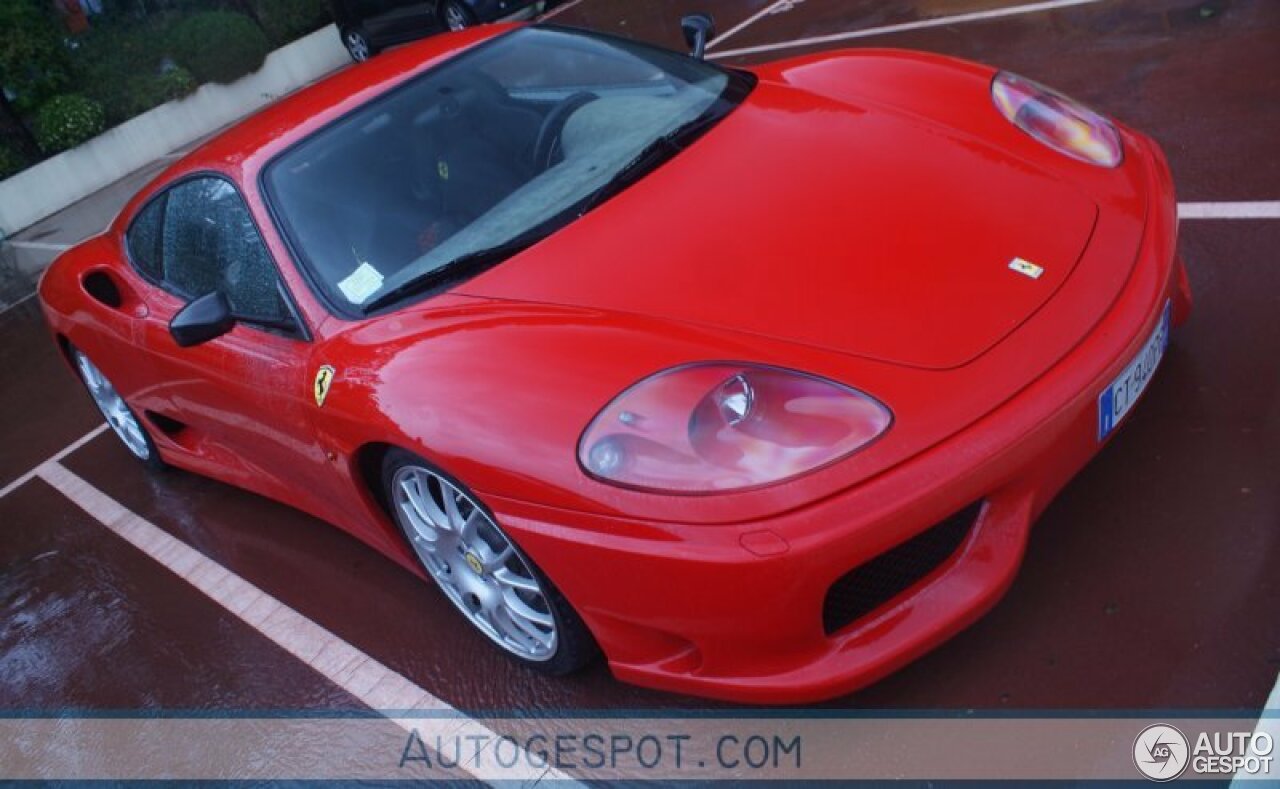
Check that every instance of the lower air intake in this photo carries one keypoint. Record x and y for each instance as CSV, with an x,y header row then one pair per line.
x,y
874,583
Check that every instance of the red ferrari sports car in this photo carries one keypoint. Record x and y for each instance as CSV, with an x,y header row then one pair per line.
x,y
752,379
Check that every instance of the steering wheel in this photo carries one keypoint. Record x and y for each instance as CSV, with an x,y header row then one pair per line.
x,y
545,149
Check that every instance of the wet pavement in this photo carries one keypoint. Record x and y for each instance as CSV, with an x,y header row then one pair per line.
x,y
89,622
1149,583
43,409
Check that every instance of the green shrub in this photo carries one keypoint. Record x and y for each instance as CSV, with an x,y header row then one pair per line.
x,y
219,46
120,63
287,20
175,83
151,90
10,161
33,60
66,121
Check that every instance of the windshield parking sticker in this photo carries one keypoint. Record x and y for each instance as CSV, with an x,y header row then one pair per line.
x,y
361,284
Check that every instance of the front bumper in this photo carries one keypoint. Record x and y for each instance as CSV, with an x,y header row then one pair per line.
x,y
736,612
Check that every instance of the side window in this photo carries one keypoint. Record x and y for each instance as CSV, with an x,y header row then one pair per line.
x,y
210,243
143,239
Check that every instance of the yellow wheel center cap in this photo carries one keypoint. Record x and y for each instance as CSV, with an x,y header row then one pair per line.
x,y
475,564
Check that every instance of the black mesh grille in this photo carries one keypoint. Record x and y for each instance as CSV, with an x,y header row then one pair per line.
x,y
868,586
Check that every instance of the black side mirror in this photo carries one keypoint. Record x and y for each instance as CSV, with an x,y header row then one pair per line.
x,y
202,320
698,30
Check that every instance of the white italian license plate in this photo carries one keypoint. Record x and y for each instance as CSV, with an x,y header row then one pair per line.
x,y
1118,398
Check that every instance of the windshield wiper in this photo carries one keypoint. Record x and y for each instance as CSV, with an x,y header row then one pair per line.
x,y
480,258
650,156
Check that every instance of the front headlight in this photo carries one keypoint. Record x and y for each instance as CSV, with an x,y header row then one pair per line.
x,y
1057,121
711,427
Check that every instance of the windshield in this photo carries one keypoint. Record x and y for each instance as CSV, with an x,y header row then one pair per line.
x,y
479,157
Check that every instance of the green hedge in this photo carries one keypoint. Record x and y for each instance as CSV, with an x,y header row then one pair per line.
x,y
219,46
151,90
287,20
10,161
125,65
66,121
34,63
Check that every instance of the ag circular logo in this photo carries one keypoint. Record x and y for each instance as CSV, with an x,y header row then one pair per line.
x,y
1161,752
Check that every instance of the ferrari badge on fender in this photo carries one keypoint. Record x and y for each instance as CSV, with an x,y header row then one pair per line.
x,y
324,377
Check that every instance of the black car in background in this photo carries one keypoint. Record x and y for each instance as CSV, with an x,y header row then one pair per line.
x,y
368,26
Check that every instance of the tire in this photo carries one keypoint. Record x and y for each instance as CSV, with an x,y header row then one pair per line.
x,y
456,15
499,591
358,45
131,430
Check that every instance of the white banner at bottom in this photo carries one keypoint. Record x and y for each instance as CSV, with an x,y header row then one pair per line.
x,y
406,745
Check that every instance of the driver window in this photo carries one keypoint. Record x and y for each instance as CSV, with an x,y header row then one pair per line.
x,y
211,244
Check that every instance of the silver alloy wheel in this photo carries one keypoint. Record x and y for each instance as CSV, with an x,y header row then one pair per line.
x,y
474,563
454,17
113,407
357,46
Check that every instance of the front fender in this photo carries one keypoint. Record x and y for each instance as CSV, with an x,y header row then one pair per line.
x,y
497,393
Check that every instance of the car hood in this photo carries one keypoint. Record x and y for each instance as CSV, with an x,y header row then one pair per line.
x,y
862,229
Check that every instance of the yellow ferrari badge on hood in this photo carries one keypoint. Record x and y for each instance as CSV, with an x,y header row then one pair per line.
x,y
324,377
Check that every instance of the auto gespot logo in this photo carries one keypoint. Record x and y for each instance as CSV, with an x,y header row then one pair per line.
x,y
1162,753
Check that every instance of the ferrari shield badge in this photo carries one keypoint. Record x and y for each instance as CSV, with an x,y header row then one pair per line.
x,y
324,377
1026,268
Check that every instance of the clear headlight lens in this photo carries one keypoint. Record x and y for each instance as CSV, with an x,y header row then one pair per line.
x,y
717,427
1057,121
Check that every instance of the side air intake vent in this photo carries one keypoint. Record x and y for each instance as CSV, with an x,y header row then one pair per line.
x,y
874,583
100,286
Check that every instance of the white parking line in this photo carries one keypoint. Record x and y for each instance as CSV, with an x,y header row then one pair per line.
x,y
67,450
341,663
919,24
8,307
1269,723
749,21
558,10
1245,210
46,245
